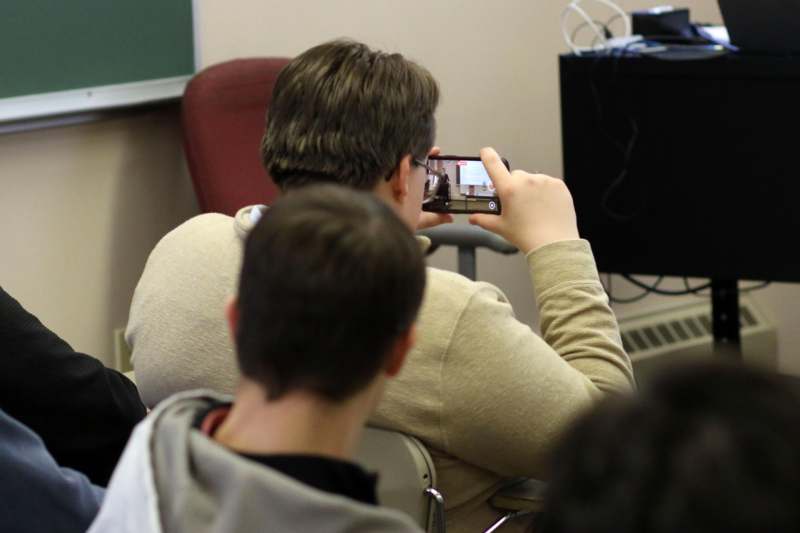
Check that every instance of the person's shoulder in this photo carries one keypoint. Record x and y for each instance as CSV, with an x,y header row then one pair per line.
x,y
449,295
446,283
196,234
215,225
206,232
202,227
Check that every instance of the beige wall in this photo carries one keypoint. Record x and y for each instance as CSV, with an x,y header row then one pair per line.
x,y
82,205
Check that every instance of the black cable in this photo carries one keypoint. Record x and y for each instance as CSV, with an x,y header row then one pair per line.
x,y
626,147
605,200
756,287
689,289
654,288
665,292
602,26
637,298
743,290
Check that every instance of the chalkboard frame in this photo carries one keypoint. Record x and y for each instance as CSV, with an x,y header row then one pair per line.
x,y
90,99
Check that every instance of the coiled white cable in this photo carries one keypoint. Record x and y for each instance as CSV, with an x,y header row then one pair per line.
x,y
574,7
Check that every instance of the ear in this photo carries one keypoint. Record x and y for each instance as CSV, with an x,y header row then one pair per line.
x,y
232,316
402,345
399,181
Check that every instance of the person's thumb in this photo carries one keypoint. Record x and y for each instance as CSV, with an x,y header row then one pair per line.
x,y
487,222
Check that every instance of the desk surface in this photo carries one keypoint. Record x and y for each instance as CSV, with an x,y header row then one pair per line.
x,y
759,66
711,182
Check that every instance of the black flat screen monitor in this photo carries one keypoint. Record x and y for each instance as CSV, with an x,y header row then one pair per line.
x,y
685,168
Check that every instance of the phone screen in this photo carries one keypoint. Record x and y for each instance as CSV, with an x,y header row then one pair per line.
x,y
466,187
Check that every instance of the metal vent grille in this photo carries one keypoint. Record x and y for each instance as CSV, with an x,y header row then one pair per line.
x,y
666,329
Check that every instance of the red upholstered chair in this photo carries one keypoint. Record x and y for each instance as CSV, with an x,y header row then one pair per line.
x,y
224,111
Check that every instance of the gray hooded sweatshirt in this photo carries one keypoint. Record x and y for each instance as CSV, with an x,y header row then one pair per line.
x,y
174,479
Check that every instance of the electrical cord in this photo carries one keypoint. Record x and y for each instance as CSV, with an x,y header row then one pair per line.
x,y
606,31
625,147
654,288
665,292
627,155
608,286
743,290
574,7
696,293
756,286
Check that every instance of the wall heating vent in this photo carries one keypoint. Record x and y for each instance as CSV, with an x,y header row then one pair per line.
x,y
656,338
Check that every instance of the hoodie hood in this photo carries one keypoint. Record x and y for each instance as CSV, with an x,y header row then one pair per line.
x,y
172,478
246,218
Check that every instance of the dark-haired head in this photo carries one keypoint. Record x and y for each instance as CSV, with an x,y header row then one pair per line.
x,y
331,278
706,448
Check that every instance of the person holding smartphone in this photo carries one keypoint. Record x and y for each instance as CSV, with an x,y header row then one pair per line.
x,y
486,394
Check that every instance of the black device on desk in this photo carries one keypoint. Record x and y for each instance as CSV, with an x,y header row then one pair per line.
x,y
770,26
687,168
662,22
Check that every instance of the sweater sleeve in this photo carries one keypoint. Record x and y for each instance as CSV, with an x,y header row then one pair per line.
x,y
508,393
83,411
35,493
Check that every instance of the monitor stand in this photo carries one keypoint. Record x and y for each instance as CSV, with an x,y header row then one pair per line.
x,y
726,326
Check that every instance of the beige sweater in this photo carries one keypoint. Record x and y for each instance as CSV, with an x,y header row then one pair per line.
x,y
488,395
482,390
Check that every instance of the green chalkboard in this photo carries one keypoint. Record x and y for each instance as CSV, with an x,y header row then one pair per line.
x,y
57,46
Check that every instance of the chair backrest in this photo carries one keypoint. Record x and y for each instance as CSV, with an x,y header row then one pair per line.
x,y
467,239
406,475
224,112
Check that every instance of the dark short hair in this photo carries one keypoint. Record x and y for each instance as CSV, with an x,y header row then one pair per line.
x,y
330,279
347,114
708,448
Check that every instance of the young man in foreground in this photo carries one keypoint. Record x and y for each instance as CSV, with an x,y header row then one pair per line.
x,y
330,287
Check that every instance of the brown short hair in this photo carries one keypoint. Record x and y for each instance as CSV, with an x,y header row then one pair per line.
x,y
330,279
347,114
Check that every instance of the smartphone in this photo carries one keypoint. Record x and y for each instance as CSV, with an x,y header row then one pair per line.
x,y
464,186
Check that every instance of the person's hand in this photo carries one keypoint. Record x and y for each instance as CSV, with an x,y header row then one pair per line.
x,y
428,220
536,209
